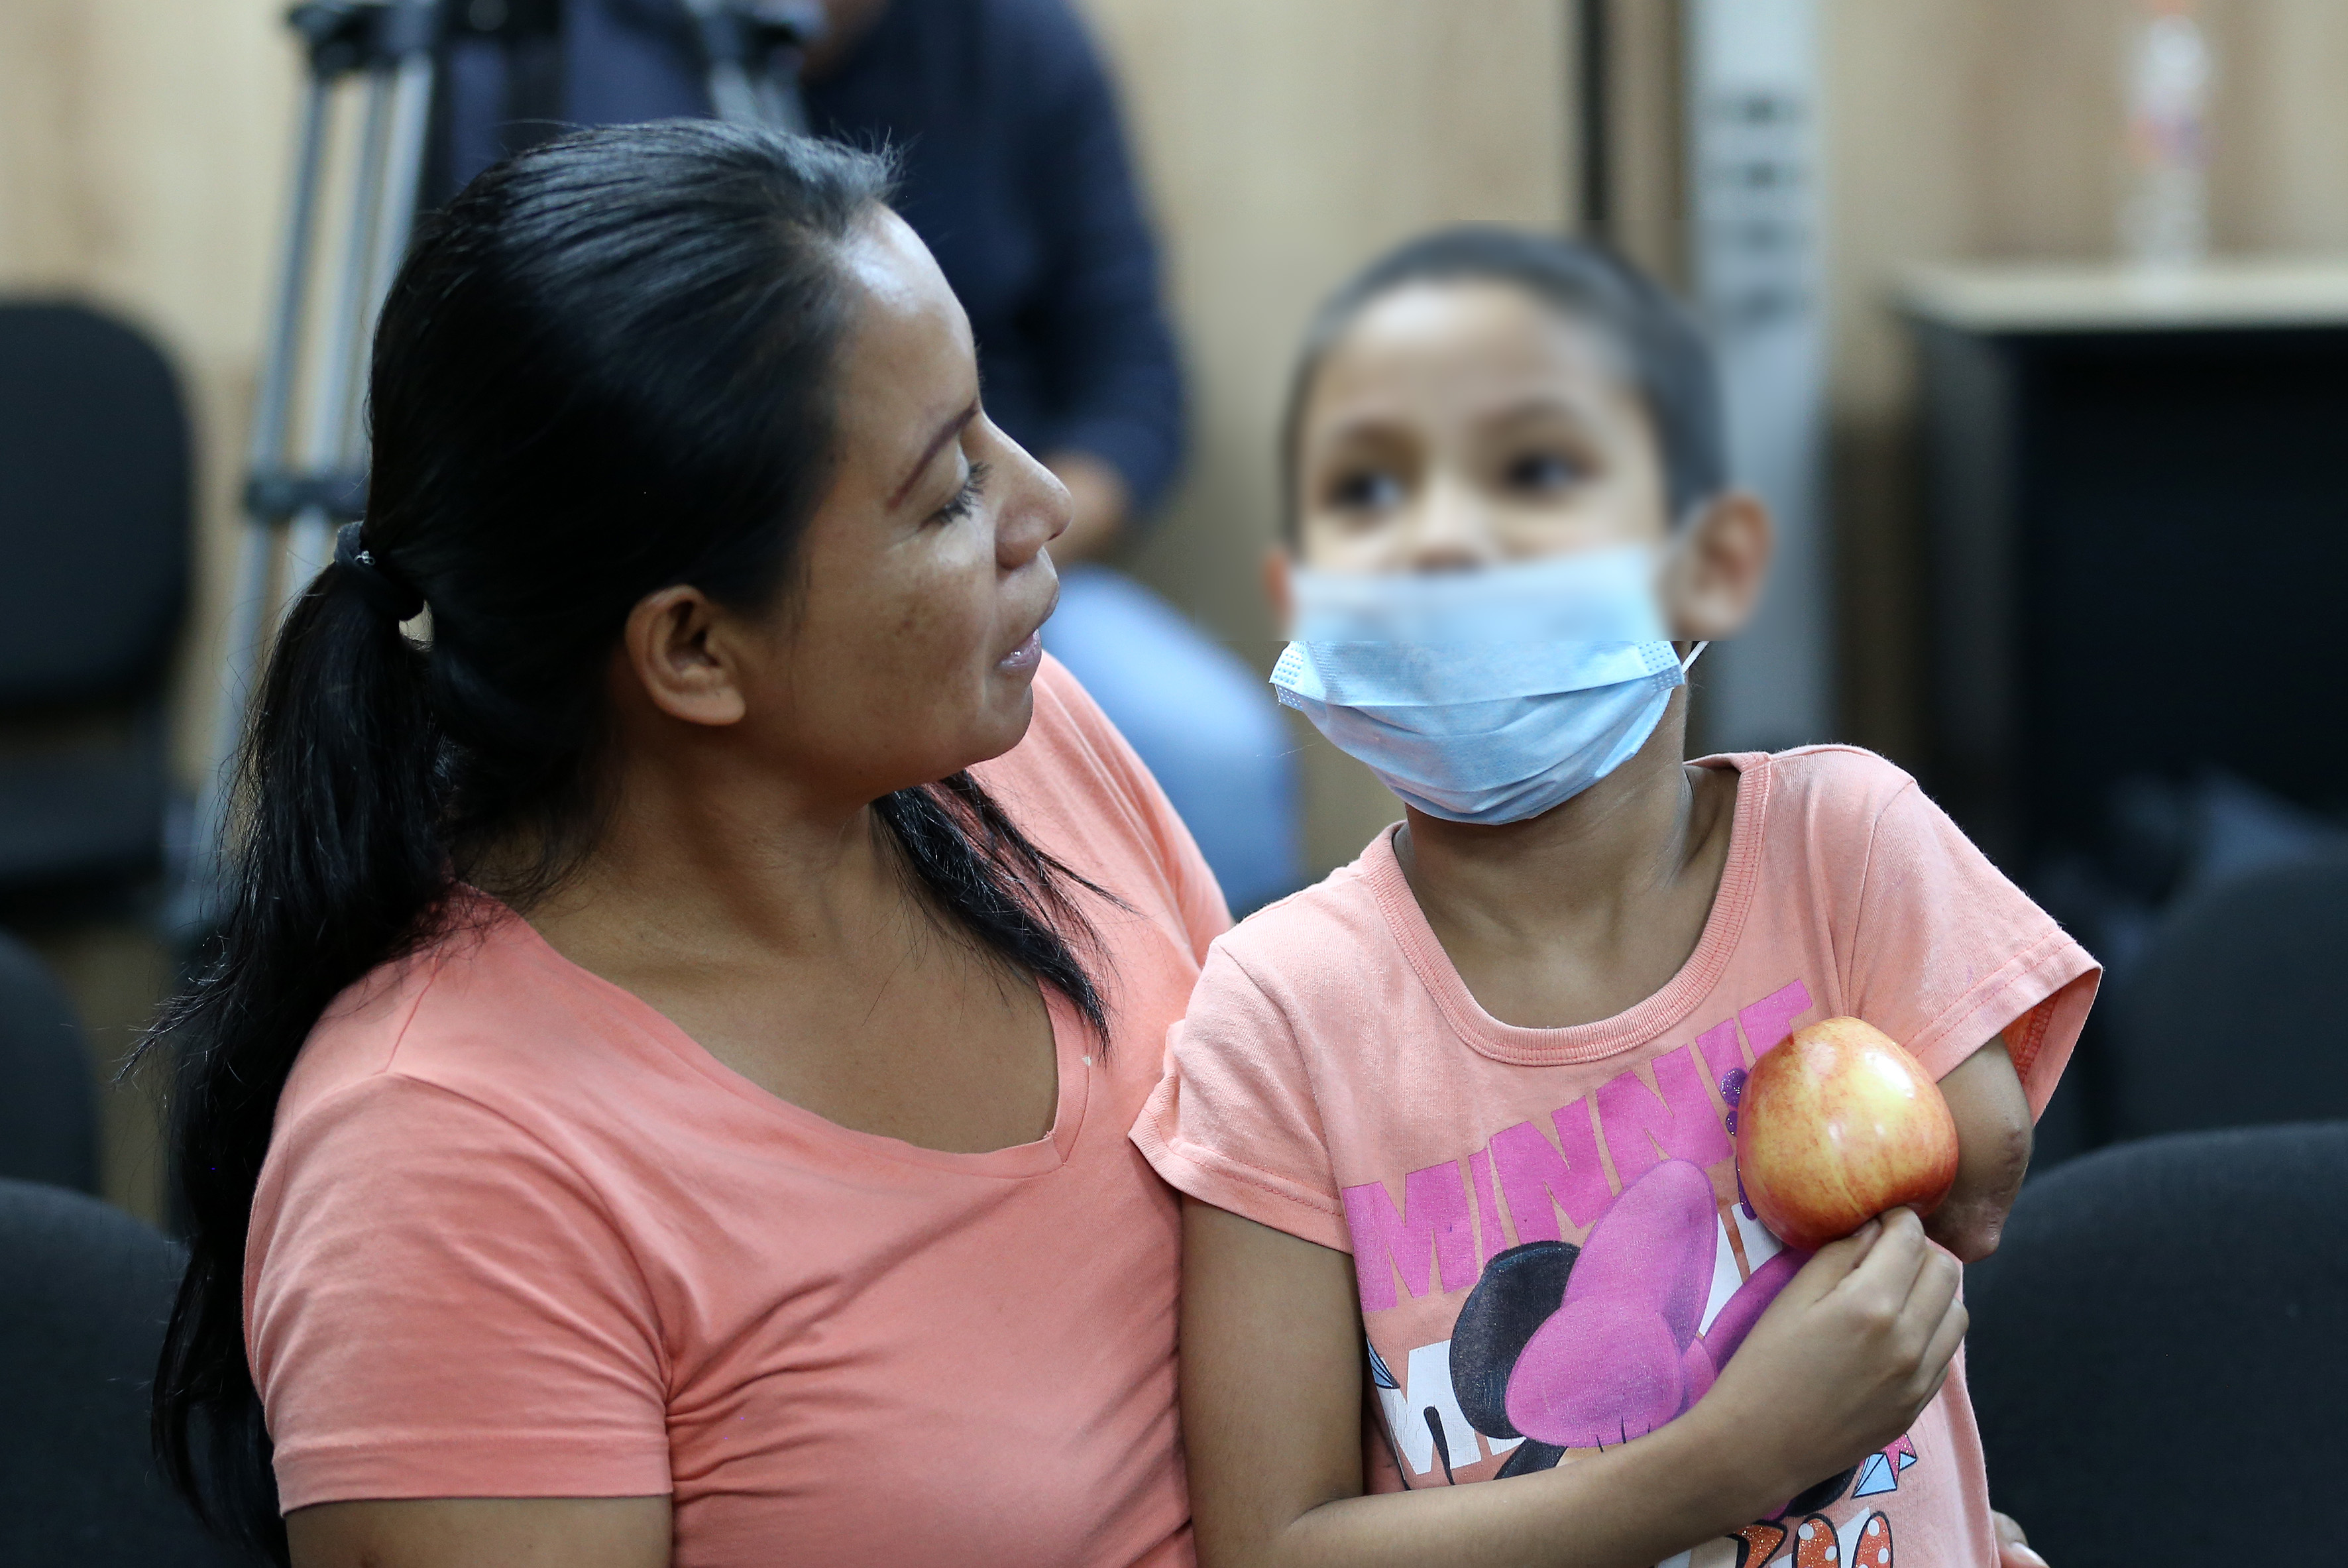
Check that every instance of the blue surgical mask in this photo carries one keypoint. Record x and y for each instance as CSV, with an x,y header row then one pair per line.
x,y
1485,696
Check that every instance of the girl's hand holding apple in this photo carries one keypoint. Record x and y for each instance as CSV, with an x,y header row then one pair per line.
x,y
1845,1359
1837,1124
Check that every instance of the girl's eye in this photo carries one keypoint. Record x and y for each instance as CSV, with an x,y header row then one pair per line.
x,y
1369,490
1542,473
965,501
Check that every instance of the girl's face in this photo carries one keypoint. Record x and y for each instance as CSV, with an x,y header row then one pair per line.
x,y
904,646
1458,424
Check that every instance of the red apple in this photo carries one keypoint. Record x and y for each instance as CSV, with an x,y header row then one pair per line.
x,y
1836,1125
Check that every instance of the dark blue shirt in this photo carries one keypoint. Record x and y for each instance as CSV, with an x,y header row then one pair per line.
x,y
1015,176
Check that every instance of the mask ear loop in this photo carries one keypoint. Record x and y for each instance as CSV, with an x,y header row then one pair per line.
x,y
1694,654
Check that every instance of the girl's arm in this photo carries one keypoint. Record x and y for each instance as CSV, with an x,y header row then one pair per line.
x,y
1853,1348
483,1532
1993,1138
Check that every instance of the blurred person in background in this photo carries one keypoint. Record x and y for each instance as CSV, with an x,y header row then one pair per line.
x,y
1015,176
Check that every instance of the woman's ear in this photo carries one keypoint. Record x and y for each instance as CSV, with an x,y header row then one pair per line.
x,y
1717,564
1277,589
676,646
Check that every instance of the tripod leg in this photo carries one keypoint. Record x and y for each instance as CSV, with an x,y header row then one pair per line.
x,y
336,377
268,445
403,181
386,185
383,216
356,291
781,102
257,541
732,96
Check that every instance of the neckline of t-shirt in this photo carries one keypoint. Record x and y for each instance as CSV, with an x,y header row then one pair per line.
x,y
1037,1157
1523,1046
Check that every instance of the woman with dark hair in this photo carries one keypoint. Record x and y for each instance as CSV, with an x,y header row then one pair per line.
x,y
662,1094
1015,171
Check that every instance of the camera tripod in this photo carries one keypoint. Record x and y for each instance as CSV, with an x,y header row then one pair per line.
x,y
305,476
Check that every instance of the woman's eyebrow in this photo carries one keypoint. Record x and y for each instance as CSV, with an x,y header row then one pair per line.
x,y
946,432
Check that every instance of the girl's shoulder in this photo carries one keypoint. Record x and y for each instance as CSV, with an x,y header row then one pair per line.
x,y
1320,947
1832,773
1823,795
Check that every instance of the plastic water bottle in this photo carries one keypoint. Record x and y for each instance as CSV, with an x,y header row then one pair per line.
x,y
2165,224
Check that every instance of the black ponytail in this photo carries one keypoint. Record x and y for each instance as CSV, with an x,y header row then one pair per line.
x,y
605,369
343,863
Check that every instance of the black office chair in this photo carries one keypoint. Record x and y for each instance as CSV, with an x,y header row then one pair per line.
x,y
48,1103
2156,1351
2236,1012
94,537
83,1291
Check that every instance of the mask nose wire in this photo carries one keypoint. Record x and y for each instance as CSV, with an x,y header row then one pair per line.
x,y
1694,654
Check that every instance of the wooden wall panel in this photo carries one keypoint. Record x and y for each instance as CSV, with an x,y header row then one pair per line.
x,y
1647,122
2281,175
142,146
1900,78
1283,145
142,150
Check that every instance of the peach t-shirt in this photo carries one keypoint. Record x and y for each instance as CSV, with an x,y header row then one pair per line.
x,y
1545,1224
518,1235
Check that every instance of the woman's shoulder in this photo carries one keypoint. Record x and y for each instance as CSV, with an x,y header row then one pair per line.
x,y
1075,786
1073,778
484,1080
1068,727
482,1014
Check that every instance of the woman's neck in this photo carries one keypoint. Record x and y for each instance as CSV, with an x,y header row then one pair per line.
x,y
1588,908
773,922
706,858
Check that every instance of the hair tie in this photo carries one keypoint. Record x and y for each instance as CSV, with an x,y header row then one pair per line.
x,y
388,592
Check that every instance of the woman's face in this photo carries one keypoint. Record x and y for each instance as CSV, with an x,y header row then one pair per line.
x,y
1460,425
908,646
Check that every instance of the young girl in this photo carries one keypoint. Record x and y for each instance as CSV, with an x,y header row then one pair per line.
x,y
1497,1059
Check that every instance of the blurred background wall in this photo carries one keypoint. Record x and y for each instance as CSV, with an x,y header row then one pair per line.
x,y
1990,129
142,162
1284,144
142,147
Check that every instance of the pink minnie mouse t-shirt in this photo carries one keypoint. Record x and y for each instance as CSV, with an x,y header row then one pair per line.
x,y
1545,1224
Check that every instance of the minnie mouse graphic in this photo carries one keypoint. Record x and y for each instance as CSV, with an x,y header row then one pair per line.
x,y
1584,1348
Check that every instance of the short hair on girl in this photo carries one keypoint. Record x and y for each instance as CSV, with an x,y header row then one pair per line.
x,y
1662,349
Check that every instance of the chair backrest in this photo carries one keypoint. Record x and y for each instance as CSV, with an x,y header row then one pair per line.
x,y
94,542
48,1100
2157,1354
94,508
2236,1012
83,1291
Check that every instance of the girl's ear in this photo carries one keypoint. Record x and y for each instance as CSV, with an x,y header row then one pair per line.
x,y
1276,588
1714,575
